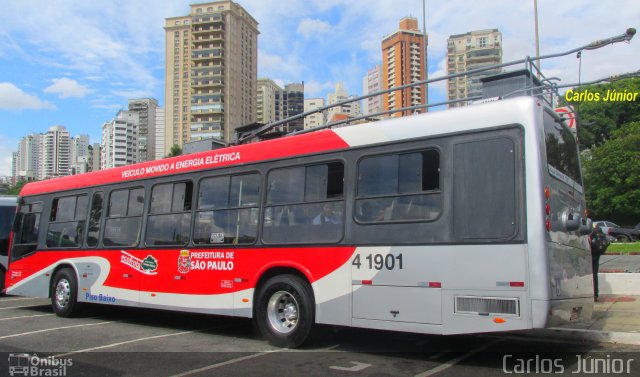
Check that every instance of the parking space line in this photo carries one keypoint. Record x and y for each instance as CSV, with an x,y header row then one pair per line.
x,y
19,299
26,306
225,363
26,316
136,340
456,360
56,328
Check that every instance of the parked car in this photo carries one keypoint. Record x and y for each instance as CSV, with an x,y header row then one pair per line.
x,y
619,233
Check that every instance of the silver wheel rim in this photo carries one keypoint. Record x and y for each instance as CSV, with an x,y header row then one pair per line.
x,y
63,293
282,312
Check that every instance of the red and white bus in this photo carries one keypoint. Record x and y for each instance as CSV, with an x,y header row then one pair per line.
x,y
461,221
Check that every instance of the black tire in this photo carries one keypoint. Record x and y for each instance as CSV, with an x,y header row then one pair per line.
x,y
285,311
64,293
622,238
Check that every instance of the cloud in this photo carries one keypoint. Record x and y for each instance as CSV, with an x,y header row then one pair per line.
x,y
13,98
66,88
311,27
313,88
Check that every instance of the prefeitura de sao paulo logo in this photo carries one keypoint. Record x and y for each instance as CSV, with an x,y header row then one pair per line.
x,y
184,262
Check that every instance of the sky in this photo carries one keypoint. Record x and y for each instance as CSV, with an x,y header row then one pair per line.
x,y
76,63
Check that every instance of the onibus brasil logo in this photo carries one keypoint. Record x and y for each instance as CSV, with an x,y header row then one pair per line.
x,y
147,266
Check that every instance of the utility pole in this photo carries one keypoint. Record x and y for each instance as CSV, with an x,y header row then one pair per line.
x,y
426,62
538,62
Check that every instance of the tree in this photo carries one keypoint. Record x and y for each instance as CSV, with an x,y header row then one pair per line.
x,y
175,151
599,118
612,176
15,190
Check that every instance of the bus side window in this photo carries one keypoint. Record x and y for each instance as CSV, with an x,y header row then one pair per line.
x,y
28,226
124,219
227,210
305,204
94,218
170,214
67,221
399,188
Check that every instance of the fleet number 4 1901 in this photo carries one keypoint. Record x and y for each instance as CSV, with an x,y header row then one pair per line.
x,y
378,261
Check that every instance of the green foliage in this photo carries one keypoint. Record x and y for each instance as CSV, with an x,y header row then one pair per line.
x,y
15,190
175,151
612,176
624,248
599,119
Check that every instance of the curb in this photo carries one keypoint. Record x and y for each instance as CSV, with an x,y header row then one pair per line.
x,y
593,336
619,283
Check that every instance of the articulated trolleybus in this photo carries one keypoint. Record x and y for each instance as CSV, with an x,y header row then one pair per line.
x,y
461,221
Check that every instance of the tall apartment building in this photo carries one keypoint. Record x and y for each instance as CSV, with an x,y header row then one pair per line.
x,y
290,102
276,103
351,109
315,119
80,155
147,109
211,72
371,83
160,135
266,107
56,153
469,51
119,145
27,165
95,157
403,63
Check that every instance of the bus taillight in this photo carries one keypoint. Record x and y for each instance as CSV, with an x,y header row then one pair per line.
x,y
547,207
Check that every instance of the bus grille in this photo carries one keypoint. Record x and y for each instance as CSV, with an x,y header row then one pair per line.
x,y
487,305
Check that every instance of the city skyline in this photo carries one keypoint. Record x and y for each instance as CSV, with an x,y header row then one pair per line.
x,y
76,65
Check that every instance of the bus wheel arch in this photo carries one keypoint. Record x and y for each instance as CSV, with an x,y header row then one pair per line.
x,y
284,307
63,291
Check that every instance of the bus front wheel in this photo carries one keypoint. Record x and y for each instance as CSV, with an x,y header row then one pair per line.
x,y
285,310
64,293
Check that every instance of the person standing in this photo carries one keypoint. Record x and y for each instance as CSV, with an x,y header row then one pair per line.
x,y
599,246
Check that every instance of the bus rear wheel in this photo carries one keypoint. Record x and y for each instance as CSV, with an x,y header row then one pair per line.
x,y
64,293
285,311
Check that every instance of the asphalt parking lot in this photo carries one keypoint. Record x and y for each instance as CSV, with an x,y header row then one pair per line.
x,y
125,341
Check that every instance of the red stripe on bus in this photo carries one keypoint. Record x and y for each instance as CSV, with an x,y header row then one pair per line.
x,y
208,271
321,141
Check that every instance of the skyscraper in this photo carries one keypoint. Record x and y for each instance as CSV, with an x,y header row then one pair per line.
x,y
119,145
147,109
290,102
403,63
372,83
56,153
315,119
211,72
351,109
470,51
267,89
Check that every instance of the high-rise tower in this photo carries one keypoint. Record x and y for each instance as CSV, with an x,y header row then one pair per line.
x,y
403,63
470,51
211,72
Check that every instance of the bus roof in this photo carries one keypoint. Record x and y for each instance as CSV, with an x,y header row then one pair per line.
x,y
517,110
